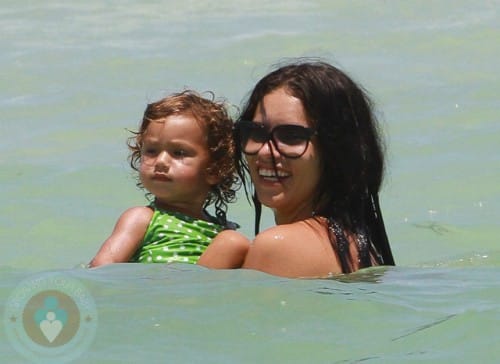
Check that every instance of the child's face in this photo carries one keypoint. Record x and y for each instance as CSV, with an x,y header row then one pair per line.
x,y
174,161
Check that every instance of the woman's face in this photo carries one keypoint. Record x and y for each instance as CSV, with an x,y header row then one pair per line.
x,y
291,192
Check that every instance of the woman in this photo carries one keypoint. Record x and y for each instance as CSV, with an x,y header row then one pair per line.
x,y
310,143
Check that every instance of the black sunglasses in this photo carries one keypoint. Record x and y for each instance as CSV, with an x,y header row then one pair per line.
x,y
289,140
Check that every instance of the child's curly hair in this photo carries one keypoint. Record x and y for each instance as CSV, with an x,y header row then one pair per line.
x,y
213,116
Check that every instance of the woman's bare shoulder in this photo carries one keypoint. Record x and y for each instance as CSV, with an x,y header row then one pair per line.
x,y
300,249
297,231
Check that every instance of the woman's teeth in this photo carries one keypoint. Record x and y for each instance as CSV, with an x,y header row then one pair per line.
x,y
271,173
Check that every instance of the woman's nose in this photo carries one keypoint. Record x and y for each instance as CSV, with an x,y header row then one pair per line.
x,y
269,149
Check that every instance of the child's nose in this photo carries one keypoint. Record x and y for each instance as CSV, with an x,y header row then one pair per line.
x,y
163,159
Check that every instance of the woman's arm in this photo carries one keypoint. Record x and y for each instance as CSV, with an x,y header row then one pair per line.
x,y
126,237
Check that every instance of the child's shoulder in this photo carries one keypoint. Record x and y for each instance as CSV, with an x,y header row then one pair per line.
x,y
137,214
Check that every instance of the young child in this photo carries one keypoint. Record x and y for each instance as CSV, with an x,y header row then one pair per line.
x,y
184,153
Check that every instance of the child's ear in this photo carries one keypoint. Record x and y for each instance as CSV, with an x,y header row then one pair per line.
x,y
212,178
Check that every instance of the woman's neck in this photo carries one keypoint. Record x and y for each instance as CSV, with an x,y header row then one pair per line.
x,y
287,217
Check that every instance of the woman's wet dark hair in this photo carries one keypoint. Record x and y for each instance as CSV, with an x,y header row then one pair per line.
x,y
351,152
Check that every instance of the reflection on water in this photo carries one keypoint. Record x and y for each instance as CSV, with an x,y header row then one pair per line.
x,y
434,226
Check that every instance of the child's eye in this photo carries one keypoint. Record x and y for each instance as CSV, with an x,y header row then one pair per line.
x,y
179,153
149,151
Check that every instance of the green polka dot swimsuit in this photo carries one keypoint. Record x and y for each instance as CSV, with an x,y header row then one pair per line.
x,y
175,237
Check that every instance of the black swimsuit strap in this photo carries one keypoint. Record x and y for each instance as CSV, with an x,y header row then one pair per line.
x,y
340,244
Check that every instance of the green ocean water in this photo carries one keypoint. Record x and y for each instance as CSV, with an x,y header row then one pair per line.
x,y
75,76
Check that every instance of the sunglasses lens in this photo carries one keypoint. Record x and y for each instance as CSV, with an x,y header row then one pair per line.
x,y
291,135
290,140
252,137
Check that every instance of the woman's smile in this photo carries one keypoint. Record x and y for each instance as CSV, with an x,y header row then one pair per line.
x,y
270,174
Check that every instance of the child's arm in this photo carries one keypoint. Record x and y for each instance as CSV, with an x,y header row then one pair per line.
x,y
125,238
226,251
